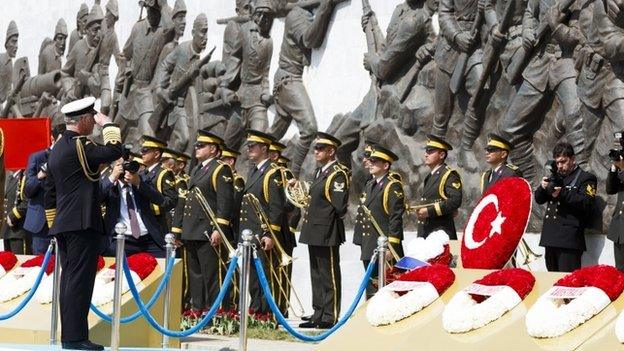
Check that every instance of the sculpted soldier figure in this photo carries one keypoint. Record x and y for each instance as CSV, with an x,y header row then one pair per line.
x,y
109,47
81,76
176,64
52,52
179,25
79,32
550,74
304,31
141,52
252,52
6,61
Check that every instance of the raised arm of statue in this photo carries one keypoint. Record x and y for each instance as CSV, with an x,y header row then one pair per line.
x,y
315,32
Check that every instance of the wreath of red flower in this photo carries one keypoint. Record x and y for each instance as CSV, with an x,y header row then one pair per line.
x,y
606,278
8,260
514,200
37,261
440,276
143,264
443,258
100,263
518,279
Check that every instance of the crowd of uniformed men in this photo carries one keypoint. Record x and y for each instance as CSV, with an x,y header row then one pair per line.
x,y
77,188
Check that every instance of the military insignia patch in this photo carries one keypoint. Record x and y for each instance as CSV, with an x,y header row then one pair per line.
x,y
339,187
591,190
456,185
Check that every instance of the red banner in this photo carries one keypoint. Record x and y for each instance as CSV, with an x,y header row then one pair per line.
x,y
22,137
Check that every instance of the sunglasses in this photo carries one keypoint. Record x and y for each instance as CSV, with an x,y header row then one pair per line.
x,y
320,147
200,145
145,150
490,150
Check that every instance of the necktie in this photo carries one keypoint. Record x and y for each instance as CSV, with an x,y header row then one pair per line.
x,y
318,173
252,171
134,220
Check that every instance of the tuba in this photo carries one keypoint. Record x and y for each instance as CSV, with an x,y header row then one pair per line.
x,y
298,193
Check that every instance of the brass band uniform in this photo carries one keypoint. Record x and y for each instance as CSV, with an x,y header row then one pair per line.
x,y
496,153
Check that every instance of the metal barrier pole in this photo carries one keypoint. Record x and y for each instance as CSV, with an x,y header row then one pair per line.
x,y
170,240
382,249
244,286
120,229
56,291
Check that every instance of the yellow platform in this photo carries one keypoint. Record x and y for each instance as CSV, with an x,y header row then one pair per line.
x,y
32,325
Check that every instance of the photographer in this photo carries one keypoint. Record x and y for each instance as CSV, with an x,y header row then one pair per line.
x,y
615,185
128,197
569,193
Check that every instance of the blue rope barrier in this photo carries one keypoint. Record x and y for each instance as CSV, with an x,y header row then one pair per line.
x,y
280,317
199,326
150,303
33,290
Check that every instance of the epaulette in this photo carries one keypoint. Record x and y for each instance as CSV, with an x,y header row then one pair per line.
x,y
336,168
386,193
395,176
512,167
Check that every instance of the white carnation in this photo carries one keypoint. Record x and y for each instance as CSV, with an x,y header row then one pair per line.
x,y
387,307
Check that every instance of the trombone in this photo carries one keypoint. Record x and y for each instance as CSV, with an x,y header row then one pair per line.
x,y
379,230
527,253
285,260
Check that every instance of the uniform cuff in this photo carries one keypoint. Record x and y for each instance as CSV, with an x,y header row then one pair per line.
x,y
438,208
111,134
223,221
50,214
16,213
393,240
276,227
176,230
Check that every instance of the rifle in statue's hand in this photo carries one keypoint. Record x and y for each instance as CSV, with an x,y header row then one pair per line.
x,y
523,57
178,88
281,12
459,73
14,96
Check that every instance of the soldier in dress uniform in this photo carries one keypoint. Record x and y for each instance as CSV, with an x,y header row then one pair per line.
x,y
74,214
385,199
496,153
79,32
230,156
15,237
51,55
569,198
323,231
6,61
615,185
265,183
162,178
442,191
205,254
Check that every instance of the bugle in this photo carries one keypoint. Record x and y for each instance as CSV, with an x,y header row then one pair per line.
x,y
213,219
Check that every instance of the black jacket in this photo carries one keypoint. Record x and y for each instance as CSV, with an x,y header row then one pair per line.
x,y
442,194
163,180
14,206
615,185
490,177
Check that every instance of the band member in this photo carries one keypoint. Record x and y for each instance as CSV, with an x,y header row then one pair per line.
x,y
229,156
615,185
496,153
323,231
265,183
569,194
206,255
442,191
74,215
16,239
161,177
383,196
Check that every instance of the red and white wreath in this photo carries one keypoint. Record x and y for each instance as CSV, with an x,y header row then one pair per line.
x,y
141,266
434,249
8,260
410,293
44,294
573,300
487,299
20,280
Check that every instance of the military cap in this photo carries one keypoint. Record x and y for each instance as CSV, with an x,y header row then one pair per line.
x,y
382,153
264,5
150,3
150,142
96,15
169,153
182,157
283,160
434,142
78,108
327,139
201,21
61,28
228,152
277,147
178,7
113,7
256,136
83,12
206,137
498,142
11,31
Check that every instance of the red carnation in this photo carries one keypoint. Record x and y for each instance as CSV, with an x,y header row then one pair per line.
x,y
37,261
440,276
518,279
7,260
606,278
143,264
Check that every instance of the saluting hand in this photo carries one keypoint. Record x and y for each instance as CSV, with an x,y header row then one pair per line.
x,y
102,119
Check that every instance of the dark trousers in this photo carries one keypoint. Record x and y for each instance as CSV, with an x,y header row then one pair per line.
x,y
133,246
79,256
370,289
562,260
258,301
326,283
206,273
18,246
40,244
618,253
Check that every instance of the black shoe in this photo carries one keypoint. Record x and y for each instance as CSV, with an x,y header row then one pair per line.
x,y
307,318
309,324
82,345
324,325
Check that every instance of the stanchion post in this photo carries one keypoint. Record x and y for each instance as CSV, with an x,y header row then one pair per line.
x,y
56,290
120,229
382,249
244,285
170,240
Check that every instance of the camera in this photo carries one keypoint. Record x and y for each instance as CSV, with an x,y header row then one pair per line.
x,y
616,155
128,164
554,178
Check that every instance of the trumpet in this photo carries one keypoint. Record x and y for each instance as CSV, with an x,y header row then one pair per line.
x,y
298,193
213,219
379,230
